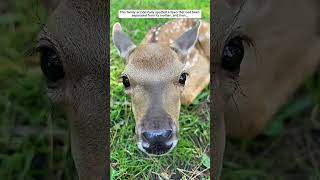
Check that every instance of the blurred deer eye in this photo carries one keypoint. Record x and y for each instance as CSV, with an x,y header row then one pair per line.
x,y
233,54
125,81
51,65
183,78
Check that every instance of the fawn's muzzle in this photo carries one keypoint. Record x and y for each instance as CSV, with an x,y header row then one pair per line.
x,y
157,132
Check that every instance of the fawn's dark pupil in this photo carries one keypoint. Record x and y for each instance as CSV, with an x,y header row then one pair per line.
x,y
233,54
51,65
125,81
183,78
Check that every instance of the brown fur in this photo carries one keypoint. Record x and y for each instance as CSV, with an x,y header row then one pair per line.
x,y
198,59
153,57
154,70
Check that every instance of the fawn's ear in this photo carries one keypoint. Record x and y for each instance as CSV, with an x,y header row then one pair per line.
x,y
187,40
50,5
122,41
249,8
240,12
235,4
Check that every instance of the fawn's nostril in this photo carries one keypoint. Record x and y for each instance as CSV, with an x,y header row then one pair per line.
x,y
157,135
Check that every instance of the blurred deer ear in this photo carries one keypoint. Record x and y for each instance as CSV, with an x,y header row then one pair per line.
x,y
50,5
235,4
249,8
187,40
122,41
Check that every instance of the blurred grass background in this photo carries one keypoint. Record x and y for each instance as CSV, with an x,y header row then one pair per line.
x,y
34,139
188,160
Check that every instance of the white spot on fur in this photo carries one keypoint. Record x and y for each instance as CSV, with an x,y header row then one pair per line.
x,y
188,65
191,62
207,35
201,38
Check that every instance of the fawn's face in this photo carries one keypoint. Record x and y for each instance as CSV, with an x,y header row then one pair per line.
x,y
74,61
154,77
233,52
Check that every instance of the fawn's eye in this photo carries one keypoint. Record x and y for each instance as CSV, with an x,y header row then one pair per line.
x,y
233,54
51,65
183,78
125,81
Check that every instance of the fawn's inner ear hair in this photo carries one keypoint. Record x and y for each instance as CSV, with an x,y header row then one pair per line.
x,y
187,40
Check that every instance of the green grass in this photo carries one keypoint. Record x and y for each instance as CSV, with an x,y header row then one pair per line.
x,y
127,161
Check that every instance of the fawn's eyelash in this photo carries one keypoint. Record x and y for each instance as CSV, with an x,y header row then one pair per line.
x,y
247,40
243,37
31,51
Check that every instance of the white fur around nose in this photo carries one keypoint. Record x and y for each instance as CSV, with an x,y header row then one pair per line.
x,y
142,144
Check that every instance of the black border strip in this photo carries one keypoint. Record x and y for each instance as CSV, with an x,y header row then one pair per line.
x,y
107,14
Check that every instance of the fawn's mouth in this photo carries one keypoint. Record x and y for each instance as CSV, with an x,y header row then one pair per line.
x,y
157,149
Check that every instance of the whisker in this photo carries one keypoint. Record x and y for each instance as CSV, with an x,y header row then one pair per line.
x,y
237,90
235,102
238,87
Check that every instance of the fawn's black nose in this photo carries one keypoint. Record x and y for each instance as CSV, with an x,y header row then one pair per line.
x,y
157,141
157,136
